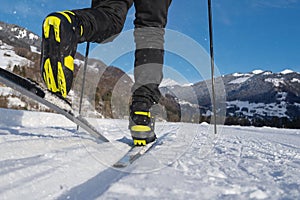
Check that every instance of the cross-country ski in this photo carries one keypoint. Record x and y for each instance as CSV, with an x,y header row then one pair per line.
x,y
33,91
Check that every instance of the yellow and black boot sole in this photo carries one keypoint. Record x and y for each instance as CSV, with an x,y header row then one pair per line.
x,y
143,142
59,44
142,135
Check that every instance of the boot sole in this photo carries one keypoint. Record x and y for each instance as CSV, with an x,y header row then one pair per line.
x,y
137,141
57,65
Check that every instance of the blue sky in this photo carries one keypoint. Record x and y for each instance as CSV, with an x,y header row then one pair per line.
x,y
248,34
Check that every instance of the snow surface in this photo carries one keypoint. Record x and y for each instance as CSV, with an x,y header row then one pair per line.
x,y
10,58
10,94
43,157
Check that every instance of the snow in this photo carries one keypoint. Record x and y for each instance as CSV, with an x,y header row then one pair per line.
x,y
258,71
34,49
239,80
238,74
78,62
33,36
22,34
131,76
276,81
14,101
295,80
8,57
166,82
13,29
267,73
244,77
6,91
286,71
43,157
271,109
183,102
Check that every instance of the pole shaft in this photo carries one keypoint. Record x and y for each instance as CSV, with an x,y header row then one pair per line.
x,y
84,75
212,63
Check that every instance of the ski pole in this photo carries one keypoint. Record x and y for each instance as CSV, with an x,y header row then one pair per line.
x,y
212,63
84,73
83,77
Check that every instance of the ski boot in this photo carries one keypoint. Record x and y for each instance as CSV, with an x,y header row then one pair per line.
x,y
141,125
61,33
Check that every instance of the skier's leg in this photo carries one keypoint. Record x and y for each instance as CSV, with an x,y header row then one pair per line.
x,y
151,19
62,31
104,20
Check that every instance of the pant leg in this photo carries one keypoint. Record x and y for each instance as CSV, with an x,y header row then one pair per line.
x,y
105,19
151,19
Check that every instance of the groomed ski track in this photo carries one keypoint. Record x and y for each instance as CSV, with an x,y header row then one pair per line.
x,y
43,157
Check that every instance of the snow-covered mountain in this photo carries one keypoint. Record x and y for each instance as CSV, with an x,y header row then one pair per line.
x,y
43,157
265,98
265,95
19,37
256,98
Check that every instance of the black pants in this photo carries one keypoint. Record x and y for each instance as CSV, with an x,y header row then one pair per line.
x,y
106,18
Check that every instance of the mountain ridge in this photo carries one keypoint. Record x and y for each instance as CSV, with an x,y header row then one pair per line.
x,y
257,98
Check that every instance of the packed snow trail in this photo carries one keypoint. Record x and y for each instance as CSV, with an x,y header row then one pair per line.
x,y
43,157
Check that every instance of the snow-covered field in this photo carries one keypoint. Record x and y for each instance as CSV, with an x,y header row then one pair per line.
x,y
43,157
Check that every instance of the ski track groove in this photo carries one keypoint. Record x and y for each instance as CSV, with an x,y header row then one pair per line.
x,y
240,163
24,181
12,165
270,161
31,170
110,177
